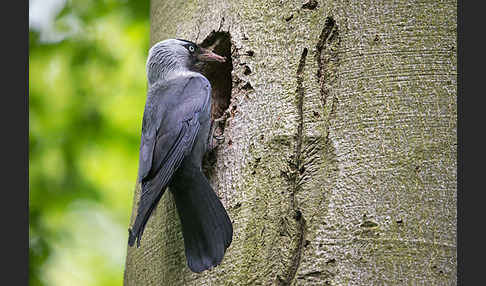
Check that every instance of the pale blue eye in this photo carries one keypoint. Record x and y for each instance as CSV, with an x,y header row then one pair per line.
x,y
191,49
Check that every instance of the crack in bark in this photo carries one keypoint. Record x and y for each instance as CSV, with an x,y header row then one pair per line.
x,y
300,108
325,55
327,61
294,178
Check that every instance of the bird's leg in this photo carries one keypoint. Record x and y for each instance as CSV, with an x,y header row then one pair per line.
x,y
215,141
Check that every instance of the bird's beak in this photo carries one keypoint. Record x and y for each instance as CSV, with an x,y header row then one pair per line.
x,y
208,56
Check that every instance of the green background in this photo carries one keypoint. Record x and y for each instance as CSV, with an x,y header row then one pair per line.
x,y
86,96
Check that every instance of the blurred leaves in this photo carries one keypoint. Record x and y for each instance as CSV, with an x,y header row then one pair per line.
x,y
86,98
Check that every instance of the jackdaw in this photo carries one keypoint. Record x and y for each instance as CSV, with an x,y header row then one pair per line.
x,y
176,133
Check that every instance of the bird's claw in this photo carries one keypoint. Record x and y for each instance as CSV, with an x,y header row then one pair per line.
x,y
219,139
219,119
216,142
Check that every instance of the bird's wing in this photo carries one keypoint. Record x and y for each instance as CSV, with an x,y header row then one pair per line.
x,y
170,126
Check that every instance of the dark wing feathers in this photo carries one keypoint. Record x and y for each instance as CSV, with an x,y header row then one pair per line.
x,y
169,128
165,110
164,167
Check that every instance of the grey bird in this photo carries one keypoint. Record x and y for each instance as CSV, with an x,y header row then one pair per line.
x,y
176,133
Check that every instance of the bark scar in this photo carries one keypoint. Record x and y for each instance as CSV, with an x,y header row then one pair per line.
x,y
326,55
294,179
327,59
304,156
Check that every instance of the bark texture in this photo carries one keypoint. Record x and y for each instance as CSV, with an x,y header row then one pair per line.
x,y
339,160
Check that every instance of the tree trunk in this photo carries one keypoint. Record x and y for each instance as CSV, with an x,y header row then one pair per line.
x,y
339,160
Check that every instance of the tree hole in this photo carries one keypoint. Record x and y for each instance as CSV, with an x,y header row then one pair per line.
x,y
219,74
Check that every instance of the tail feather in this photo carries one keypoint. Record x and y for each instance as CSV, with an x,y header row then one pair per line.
x,y
148,201
206,227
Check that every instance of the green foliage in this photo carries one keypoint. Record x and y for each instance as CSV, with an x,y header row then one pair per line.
x,y
86,98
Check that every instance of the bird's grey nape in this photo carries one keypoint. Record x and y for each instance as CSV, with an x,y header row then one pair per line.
x,y
166,58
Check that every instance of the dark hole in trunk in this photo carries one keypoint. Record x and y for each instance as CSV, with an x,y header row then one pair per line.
x,y
219,75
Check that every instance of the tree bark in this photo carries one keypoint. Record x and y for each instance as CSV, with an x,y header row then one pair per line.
x,y
339,160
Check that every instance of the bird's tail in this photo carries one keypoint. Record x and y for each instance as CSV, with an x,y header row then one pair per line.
x,y
148,201
206,226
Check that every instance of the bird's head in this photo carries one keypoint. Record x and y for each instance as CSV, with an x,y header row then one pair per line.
x,y
176,55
